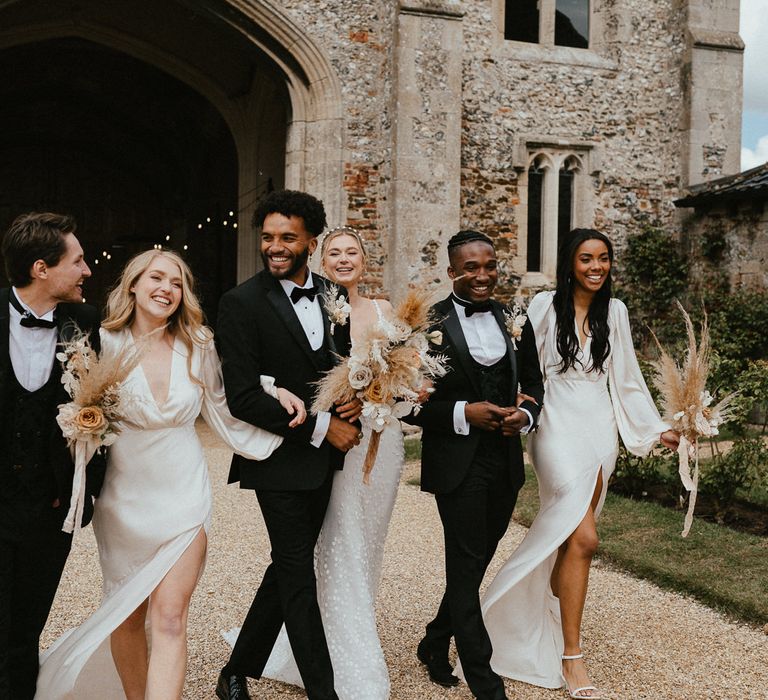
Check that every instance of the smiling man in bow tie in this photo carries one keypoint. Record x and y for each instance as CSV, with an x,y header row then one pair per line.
x,y
45,264
274,324
471,457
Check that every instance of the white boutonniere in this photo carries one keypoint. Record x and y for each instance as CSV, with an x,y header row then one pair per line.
x,y
514,320
336,306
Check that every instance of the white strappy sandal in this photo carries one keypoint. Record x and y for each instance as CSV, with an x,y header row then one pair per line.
x,y
574,692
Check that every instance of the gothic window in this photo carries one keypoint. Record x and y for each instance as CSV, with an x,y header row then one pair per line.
x,y
548,22
535,210
554,190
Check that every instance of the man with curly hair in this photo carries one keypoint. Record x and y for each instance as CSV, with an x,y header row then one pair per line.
x,y
274,324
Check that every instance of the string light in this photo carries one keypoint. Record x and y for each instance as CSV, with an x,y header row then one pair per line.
x,y
109,257
231,213
186,247
104,253
199,226
208,219
96,262
224,222
167,238
234,225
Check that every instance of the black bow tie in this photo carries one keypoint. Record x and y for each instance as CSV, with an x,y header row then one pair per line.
x,y
470,308
298,292
29,320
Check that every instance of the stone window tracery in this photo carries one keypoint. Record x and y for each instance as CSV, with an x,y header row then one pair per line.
x,y
555,196
548,22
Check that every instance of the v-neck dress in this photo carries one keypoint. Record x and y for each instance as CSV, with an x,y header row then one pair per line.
x,y
156,498
583,414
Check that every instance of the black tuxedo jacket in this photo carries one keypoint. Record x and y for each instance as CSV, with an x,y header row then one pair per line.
x,y
69,316
259,333
446,456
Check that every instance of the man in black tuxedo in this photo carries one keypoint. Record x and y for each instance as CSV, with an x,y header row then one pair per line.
x,y
274,324
45,264
471,456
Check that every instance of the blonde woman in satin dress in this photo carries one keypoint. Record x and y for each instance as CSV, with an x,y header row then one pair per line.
x,y
153,515
594,391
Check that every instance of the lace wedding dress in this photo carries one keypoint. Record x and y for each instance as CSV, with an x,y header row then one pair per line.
x,y
348,561
155,500
577,439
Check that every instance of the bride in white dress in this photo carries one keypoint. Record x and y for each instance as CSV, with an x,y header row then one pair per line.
x,y
350,548
593,386
152,517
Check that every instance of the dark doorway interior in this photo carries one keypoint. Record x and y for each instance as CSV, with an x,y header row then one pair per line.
x,y
139,158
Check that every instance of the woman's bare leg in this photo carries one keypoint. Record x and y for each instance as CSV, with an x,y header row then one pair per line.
x,y
129,651
572,577
168,610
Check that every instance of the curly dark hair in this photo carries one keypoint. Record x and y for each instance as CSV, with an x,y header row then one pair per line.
x,y
35,236
292,203
597,316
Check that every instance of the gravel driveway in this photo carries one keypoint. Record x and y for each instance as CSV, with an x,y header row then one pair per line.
x,y
641,642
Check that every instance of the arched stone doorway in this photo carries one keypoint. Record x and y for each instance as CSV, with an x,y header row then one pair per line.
x,y
149,120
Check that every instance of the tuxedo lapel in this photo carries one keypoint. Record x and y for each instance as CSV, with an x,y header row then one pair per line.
x,y
5,332
498,314
452,327
284,308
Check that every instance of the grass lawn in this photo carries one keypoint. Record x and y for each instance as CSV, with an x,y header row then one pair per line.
x,y
722,568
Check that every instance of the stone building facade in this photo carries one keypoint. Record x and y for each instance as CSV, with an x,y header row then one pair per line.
x,y
412,119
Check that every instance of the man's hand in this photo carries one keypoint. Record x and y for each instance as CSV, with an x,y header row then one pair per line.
x,y
485,415
350,411
342,435
514,422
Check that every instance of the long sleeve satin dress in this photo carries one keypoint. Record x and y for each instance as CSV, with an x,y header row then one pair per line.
x,y
155,500
583,414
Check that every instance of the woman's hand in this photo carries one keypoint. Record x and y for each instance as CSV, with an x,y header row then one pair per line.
x,y
670,439
522,398
293,404
425,390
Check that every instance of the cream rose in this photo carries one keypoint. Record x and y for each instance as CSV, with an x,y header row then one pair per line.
x,y
360,376
90,420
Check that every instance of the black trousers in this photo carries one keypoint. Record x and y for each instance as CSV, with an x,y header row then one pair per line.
x,y
475,517
31,563
288,592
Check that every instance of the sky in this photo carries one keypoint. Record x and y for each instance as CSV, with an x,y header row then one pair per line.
x,y
754,129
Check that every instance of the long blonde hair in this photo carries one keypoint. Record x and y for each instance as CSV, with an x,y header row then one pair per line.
x,y
187,322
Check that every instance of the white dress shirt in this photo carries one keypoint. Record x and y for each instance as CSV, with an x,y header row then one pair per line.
x,y
310,317
32,350
487,346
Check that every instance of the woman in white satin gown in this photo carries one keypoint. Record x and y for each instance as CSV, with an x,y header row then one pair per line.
x,y
153,514
350,548
533,607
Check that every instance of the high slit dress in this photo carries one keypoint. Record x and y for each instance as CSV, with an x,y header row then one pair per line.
x,y
155,500
577,439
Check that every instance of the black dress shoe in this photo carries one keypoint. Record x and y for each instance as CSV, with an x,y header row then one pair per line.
x,y
232,687
440,670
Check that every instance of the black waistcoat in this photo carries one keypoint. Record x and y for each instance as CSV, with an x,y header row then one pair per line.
x,y
495,387
495,380
30,420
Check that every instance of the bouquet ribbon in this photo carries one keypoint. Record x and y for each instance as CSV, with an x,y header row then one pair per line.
x,y
82,451
685,450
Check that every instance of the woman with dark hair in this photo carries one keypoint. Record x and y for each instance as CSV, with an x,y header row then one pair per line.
x,y
533,608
